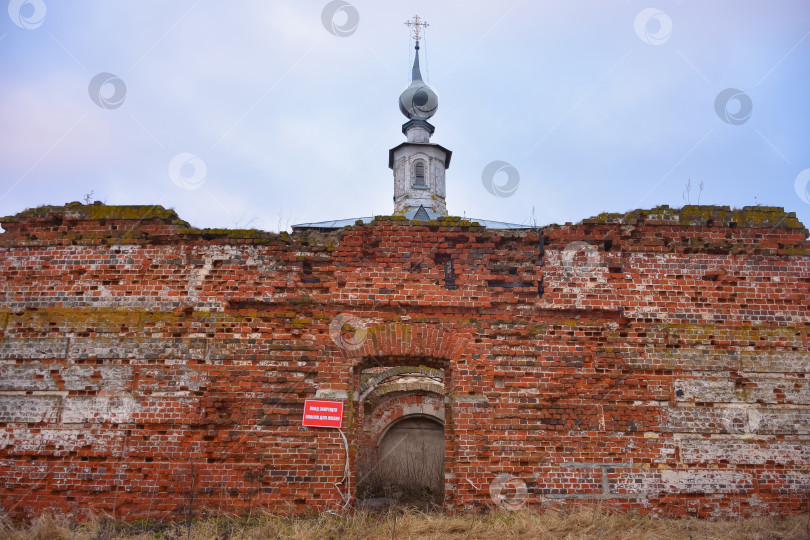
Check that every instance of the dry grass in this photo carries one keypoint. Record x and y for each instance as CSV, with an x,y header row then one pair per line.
x,y
404,524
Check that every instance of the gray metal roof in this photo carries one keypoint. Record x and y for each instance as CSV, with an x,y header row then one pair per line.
x,y
335,224
340,223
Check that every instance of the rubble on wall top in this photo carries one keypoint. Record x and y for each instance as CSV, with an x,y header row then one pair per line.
x,y
772,217
97,211
144,223
141,223
447,221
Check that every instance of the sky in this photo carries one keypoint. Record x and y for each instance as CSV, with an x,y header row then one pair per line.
x,y
266,113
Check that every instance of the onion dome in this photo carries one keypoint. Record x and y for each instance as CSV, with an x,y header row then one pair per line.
x,y
418,101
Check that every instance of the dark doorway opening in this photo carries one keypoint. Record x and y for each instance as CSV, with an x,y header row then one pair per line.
x,y
401,410
409,468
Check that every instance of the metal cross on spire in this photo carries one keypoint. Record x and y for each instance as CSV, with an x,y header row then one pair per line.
x,y
417,24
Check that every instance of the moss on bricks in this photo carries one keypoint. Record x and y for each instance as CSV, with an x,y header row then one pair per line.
x,y
97,211
773,217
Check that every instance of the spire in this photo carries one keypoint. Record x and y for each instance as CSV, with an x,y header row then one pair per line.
x,y
416,75
417,24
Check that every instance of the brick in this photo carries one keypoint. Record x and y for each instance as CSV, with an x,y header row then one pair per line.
x,y
661,370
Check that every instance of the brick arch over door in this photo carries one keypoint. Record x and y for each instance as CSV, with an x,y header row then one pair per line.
x,y
409,340
370,387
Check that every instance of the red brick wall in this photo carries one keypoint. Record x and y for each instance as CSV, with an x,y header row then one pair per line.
x,y
655,361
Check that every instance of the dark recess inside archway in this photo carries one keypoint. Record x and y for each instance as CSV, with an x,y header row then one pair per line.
x,y
401,415
410,465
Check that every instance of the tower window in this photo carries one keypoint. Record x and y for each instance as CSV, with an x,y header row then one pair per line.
x,y
419,174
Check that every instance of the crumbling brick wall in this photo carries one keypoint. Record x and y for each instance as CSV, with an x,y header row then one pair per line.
x,y
655,361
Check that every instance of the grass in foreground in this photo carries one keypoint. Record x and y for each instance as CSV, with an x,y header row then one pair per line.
x,y
406,524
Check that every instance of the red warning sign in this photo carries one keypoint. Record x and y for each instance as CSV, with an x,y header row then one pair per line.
x,y
328,414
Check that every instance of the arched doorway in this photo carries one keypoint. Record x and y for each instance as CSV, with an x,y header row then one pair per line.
x,y
411,460
401,435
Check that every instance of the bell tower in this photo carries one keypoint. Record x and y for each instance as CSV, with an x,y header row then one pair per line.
x,y
419,166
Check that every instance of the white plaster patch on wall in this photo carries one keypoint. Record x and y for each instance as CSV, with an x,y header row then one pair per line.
x,y
197,277
579,273
176,362
705,390
26,377
706,481
689,359
737,419
116,409
703,338
781,361
782,421
176,381
86,377
29,409
741,419
756,388
58,442
33,348
742,450
108,348
700,419
638,482
650,483
330,394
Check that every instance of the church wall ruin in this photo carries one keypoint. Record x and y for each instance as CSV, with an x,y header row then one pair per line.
x,y
655,361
